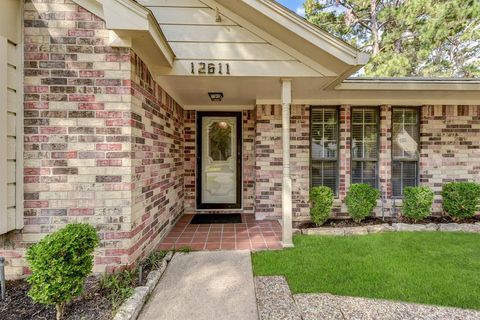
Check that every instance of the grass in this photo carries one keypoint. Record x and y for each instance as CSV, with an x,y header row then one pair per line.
x,y
431,268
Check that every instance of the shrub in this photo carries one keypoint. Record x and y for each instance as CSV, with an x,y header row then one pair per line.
x,y
60,263
461,199
417,202
321,199
360,200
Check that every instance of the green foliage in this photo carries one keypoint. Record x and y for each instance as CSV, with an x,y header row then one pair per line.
x,y
417,202
155,259
461,199
360,200
185,249
60,263
322,203
401,266
406,37
119,286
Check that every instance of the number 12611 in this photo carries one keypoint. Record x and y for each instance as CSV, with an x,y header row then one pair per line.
x,y
209,68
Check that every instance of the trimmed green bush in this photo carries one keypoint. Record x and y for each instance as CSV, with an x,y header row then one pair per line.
x,y
461,199
321,199
60,262
417,202
360,200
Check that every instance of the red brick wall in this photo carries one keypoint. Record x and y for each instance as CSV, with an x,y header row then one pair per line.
x,y
99,147
269,161
450,146
190,160
157,161
449,151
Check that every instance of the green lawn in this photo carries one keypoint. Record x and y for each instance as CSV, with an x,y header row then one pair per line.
x,y
431,268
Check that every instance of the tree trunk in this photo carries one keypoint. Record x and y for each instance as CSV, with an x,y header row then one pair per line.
x,y
60,310
374,26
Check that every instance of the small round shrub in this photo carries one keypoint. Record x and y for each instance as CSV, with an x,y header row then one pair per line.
x,y
461,199
60,262
417,202
321,199
360,200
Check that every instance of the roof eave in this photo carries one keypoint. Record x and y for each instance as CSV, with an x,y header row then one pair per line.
x,y
410,84
128,18
312,33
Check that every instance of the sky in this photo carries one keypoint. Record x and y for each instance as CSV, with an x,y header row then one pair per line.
x,y
294,5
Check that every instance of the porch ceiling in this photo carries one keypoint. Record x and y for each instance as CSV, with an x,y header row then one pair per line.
x,y
192,92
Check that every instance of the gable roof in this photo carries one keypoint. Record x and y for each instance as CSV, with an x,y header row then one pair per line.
x,y
287,25
281,35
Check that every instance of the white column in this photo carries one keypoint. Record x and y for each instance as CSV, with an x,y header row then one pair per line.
x,y
287,180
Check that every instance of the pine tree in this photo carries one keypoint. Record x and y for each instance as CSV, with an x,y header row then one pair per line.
x,y
426,38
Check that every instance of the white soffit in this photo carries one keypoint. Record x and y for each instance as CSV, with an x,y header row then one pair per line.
x,y
215,31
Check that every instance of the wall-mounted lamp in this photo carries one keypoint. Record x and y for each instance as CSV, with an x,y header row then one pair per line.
x,y
216,96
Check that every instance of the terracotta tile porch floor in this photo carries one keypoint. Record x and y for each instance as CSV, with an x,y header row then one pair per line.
x,y
250,234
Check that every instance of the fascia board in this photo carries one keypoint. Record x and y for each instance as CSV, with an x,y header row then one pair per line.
x,y
307,31
406,85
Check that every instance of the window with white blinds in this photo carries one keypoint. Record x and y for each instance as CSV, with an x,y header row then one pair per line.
x,y
11,144
324,147
364,145
405,137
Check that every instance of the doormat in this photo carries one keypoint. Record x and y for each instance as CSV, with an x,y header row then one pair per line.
x,y
216,218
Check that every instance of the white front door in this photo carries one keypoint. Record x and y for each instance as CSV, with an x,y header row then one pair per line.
x,y
219,161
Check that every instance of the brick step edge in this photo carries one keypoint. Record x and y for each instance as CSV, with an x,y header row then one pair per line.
x,y
130,308
395,227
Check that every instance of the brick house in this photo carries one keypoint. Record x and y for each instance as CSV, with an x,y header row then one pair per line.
x,y
137,112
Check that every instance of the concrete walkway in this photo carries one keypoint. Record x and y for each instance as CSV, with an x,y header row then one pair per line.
x,y
205,285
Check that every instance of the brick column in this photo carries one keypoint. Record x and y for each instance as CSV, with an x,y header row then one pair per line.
x,y
190,160
300,164
385,156
268,162
344,155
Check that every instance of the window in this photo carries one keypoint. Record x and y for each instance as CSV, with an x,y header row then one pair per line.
x,y
364,146
405,136
324,147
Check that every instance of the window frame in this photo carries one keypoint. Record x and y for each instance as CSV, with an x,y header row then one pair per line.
x,y
392,160
336,192
377,159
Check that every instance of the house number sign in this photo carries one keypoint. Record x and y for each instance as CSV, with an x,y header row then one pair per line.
x,y
209,68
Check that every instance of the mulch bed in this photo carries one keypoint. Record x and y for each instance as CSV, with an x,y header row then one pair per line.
x,y
93,304
341,223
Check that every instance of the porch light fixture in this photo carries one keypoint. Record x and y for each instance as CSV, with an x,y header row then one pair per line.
x,y
216,96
